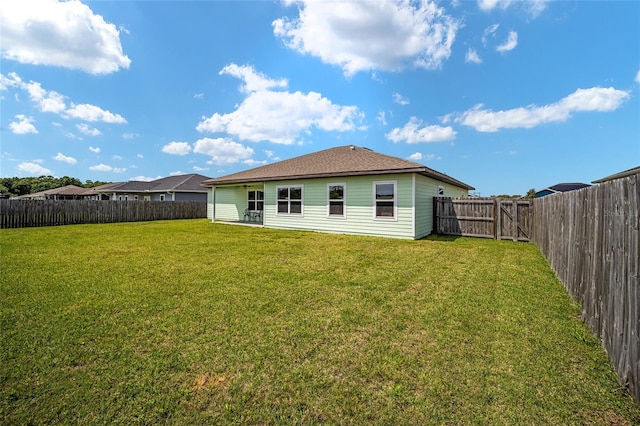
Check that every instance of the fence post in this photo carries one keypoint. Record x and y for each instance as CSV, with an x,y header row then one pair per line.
x,y
498,216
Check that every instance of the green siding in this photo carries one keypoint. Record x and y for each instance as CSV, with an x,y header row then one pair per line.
x,y
414,199
230,203
359,207
426,189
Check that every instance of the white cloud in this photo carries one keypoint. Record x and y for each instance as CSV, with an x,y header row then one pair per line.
x,y
367,36
489,33
144,178
33,169
412,133
65,34
177,173
533,7
92,113
139,155
472,56
491,4
65,159
510,43
198,96
271,155
117,157
46,100
54,102
106,168
382,118
177,148
129,136
252,162
536,7
91,131
253,80
72,136
399,99
222,151
200,169
419,156
96,150
638,77
593,99
23,126
279,117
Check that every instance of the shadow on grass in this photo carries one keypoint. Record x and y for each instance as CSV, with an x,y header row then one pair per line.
x,y
440,237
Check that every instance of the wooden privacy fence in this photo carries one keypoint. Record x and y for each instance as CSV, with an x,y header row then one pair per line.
x,y
498,218
590,239
28,213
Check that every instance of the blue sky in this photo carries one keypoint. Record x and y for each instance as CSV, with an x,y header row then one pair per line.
x,y
503,95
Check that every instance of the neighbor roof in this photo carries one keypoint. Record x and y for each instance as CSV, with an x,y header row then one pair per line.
x,y
62,190
181,183
619,175
334,162
565,187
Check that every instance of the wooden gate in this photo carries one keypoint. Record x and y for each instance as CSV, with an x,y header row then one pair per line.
x,y
498,218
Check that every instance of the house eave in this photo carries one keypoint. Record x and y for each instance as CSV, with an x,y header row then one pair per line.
x,y
419,170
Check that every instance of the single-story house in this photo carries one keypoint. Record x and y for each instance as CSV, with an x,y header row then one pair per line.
x,y
632,171
67,192
347,189
173,188
560,187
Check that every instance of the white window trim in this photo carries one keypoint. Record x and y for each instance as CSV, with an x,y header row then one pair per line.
x,y
301,214
344,201
256,199
395,200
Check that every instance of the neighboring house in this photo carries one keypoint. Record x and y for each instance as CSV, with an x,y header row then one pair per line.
x,y
96,193
69,192
620,175
348,189
561,187
173,188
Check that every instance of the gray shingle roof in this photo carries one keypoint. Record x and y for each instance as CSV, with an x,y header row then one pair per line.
x,y
566,187
334,162
61,190
181,183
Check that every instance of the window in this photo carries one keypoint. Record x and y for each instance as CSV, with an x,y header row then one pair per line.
x,y
440,190
161,197
289,200
336,192
385,200
255,200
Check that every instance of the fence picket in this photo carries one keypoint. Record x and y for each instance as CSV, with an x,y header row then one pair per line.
x,y
30,213
590,239
487,218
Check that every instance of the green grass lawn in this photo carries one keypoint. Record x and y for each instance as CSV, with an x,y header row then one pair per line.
x,y
188,322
